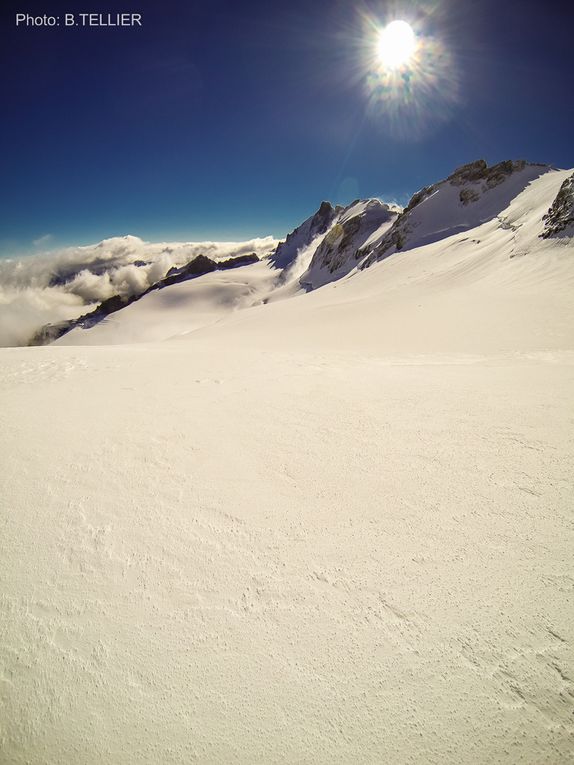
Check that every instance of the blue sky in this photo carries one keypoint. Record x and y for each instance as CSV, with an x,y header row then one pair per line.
x,y
227,119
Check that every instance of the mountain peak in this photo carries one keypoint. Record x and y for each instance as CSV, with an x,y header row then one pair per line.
x,y
473,194
303,235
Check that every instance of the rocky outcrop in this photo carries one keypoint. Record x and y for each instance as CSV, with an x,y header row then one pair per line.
x,y
479,171
237,262
287,251
335,241
199,266
471,195
356,229
50,332
196,267
559,220
467,196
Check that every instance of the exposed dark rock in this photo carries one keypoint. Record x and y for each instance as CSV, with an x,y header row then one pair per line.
x,y
560,215
476,178
497,174
479,171
50,332
349,231
418,197
343,244
199,266
237,262
113,304
473,171
286,251
467,196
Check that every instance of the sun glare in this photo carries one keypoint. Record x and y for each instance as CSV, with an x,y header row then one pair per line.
x,y
397,44
411,78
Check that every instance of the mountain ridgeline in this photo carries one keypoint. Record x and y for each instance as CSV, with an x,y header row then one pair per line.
x,y
198,266
337,241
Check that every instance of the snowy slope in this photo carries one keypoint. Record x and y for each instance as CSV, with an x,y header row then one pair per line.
x,y
323,248
61,285
334,527
490,289
315,226
356,230
180,308
334,244
472,195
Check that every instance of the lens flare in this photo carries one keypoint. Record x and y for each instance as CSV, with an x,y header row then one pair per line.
x,y
411,79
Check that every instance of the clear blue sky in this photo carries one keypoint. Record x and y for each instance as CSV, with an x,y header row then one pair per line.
x,y
229,119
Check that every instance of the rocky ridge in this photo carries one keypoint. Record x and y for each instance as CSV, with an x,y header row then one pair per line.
x,y
471,195
198,266
559,220
336,240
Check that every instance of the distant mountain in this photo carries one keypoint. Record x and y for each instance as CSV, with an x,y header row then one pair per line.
x,y
356,230
368,230
198,266
303,235
473,194
336,242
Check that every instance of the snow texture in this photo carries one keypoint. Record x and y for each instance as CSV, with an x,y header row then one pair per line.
x,y
242,522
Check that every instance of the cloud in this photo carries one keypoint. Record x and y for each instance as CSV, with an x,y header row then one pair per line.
x,y
24,311
66,283
42,240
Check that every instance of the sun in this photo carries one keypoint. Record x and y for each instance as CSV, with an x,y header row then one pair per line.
x,y
396,45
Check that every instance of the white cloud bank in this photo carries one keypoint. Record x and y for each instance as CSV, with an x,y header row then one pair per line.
x,y
64,284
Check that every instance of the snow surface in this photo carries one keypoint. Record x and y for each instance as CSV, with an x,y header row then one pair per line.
x,y
358,228
65,284
334,527
443,213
